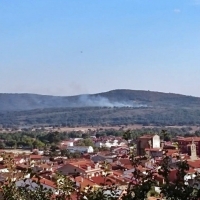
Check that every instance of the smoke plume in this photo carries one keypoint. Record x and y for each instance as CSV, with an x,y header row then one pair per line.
x,y
99,101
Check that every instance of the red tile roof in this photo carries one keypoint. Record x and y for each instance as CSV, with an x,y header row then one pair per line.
x,y
46,182
103,180
146,137
35,157
125,161
194,164
188,139
84,182
170,152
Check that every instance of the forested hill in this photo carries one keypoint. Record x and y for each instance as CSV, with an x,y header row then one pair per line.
x,y
114,98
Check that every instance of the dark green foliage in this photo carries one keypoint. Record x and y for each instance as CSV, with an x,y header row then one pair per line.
x,y
160,109
103,116
127,135
85,142
10,143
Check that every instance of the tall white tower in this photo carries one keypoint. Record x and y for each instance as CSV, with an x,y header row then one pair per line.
x,y
193,151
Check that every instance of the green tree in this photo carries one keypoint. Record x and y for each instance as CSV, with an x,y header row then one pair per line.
x,y
38,144
10,143
127,135
85,142
2,145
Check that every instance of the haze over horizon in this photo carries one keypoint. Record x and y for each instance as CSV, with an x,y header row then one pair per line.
x,y
83,47
94,93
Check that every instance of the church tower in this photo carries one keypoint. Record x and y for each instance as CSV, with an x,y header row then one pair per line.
x,y
193,151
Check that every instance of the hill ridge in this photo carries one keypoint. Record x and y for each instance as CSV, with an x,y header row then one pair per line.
x,y
99,93
112,98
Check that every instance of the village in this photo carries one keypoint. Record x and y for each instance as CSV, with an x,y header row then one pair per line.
x,y
111,166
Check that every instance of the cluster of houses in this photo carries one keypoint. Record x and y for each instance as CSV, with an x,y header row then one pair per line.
x,y
107,142
89,170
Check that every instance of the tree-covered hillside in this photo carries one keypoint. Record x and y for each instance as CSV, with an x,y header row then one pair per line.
x,y
114,98
97,116
117,107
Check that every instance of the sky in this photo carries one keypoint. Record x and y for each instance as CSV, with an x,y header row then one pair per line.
x,y
69,47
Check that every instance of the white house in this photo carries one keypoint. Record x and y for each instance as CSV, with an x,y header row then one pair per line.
x,y
82,149
109,143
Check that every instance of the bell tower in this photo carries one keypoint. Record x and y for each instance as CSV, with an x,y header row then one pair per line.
x,y
193,151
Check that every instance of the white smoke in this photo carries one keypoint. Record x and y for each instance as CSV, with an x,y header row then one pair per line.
x,y
99,101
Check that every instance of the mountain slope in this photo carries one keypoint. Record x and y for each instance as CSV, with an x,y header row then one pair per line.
x,y
114,98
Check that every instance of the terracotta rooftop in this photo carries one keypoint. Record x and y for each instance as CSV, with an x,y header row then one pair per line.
x,y
45,166
32,156
46,182
84,182
117,172
125,161
128,166
191,170
194,164
188,139
22,166
146,136
103,180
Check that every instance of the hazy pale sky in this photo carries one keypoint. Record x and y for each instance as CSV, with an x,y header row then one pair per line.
x,y
67,47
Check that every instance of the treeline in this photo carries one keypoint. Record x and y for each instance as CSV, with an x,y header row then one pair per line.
x,y
102,116
30,140
42,139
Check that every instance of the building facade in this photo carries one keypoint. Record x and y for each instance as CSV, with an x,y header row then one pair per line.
x,y
184,144
147,142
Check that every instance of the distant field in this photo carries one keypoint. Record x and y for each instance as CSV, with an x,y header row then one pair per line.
x,y
132,127
17,151
93,128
